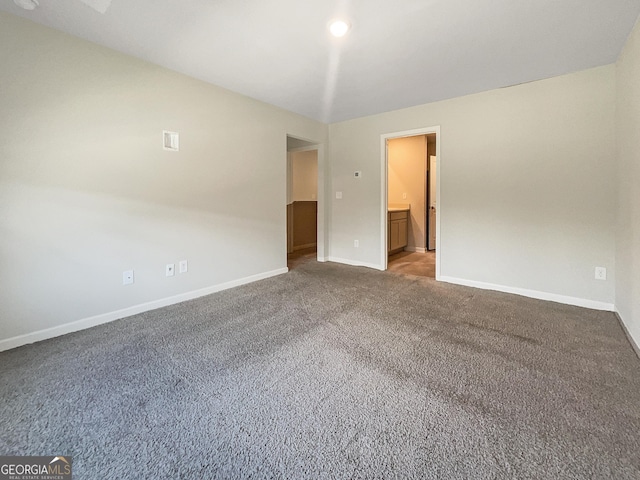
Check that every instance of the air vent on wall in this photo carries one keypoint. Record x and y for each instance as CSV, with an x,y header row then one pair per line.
x,y
170,141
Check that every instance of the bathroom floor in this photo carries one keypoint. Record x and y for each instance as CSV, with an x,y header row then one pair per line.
x,y
412,263
402,263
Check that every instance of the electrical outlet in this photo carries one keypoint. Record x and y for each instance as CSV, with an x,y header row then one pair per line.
x,y
601,273
171,269
357,174
127,277
356,243
184,266
338,195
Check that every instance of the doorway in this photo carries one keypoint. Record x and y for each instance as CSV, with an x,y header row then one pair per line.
x,y
305,225
410,180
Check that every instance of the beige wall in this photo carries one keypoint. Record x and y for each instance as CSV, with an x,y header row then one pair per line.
x,y
628,185
304,171
407,175
87,191
527,185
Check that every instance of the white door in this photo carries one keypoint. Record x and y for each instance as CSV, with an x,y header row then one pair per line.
x,y
432,202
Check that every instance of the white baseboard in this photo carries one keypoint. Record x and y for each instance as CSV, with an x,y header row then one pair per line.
x,y
552,297
354,263
415,249
302,247
632,340
89,322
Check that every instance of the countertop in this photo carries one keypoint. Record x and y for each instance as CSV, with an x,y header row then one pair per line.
x,y
399,207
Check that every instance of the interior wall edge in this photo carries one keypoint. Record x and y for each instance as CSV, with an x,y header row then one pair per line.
x,y
625,328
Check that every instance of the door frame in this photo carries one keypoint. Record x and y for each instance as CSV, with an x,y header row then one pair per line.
x,y
428,198
384,162
321,238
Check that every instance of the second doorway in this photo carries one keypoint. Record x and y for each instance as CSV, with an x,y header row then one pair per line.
x,y
412,205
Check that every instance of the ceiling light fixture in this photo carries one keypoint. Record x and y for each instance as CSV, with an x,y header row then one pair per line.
x,y
27,4
339,28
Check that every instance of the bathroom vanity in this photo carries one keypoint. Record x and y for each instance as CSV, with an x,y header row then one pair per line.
x,y
398,227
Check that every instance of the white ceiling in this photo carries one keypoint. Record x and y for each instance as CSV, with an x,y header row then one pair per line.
x,y
399,53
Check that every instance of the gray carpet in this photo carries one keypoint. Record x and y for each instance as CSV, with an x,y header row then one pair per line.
x,y
333,371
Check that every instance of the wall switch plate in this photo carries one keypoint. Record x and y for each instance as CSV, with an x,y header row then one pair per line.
x,y
601,273
404,196
184,266
356,243
127,277
338,195
171,269
357,174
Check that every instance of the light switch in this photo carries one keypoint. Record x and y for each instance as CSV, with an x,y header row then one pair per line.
x,y
339,195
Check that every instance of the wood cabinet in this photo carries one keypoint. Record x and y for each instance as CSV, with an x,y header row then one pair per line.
x,y
302,223
398,224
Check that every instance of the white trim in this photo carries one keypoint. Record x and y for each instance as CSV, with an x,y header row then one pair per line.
x,y
322,226
384,202
438,204
384,190
355,263
306,245
289,179
552,297
416,249
632,340
89,322
308,148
